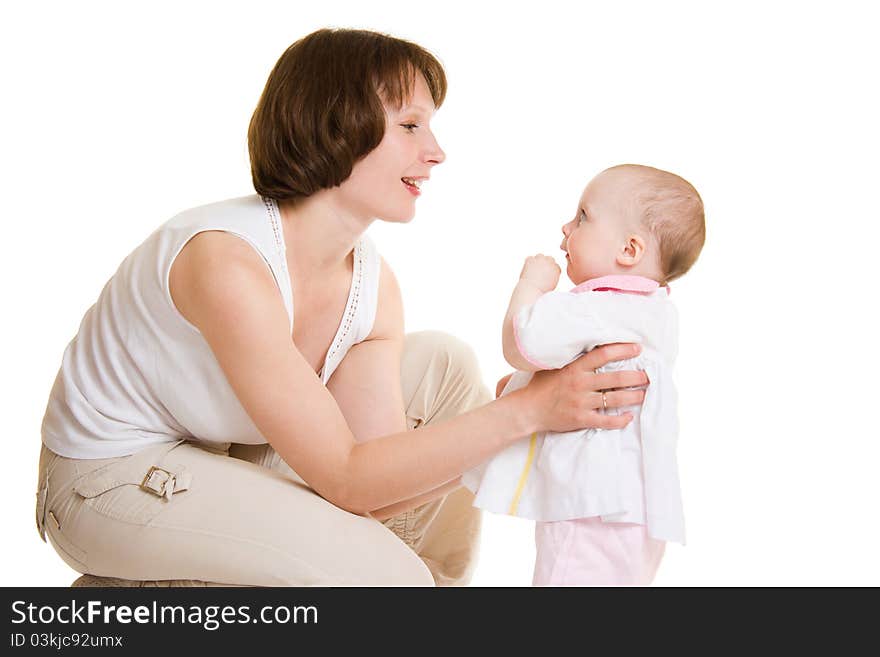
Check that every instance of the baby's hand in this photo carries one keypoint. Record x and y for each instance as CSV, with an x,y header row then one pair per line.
x,y
541,270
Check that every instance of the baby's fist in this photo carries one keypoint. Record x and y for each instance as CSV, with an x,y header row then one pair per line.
x,y
541,270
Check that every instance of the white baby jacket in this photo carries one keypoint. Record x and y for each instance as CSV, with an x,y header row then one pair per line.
x,y
625,475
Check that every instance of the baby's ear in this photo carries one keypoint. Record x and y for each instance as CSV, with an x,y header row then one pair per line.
x,y
633,250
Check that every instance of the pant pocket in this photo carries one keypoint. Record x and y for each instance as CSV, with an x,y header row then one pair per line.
x,y
134,490
125,502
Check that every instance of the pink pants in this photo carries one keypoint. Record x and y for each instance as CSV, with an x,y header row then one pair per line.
x,y
589,552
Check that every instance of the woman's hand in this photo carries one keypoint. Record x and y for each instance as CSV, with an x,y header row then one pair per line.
x,y
571,398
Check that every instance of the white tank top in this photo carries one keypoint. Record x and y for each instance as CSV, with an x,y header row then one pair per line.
x,y
138,373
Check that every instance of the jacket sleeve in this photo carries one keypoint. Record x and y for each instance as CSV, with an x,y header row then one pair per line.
x,y
560,326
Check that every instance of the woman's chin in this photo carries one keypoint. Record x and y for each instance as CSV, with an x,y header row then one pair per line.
x,y
399,217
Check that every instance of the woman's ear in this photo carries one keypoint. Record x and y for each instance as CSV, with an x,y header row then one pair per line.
x,y
634,249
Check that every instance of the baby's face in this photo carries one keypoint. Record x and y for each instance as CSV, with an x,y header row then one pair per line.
x,y
597,234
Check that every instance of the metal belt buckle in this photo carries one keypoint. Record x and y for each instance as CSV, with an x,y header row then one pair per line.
x,y
154,484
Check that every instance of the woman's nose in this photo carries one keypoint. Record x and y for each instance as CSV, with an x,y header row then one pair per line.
x,y
433,153
436,156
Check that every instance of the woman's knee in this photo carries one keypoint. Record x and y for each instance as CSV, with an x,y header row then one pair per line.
x,y
443,345
441,378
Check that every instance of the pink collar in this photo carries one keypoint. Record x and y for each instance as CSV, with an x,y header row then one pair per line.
x,y
619,283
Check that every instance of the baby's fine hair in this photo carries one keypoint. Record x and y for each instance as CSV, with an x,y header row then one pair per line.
x,y
672,210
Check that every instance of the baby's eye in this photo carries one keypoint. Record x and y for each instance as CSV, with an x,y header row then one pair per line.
x,y
410,127
580,217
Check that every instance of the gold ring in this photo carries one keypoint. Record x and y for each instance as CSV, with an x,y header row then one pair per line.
x,y
604,402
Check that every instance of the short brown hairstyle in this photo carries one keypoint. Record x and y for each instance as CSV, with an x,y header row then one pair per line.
x,y
672,210
322,107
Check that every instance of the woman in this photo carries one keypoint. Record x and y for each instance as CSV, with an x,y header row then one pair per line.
x,y
238,406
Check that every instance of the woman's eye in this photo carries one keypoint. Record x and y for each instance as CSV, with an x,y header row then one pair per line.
x,y
409,126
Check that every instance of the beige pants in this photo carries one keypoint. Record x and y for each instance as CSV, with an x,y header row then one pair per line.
x,y
246,518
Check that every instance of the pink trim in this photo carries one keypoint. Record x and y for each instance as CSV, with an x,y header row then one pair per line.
x,y
523,351
619,283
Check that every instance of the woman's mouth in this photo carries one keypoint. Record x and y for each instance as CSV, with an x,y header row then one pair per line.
x,y
412,185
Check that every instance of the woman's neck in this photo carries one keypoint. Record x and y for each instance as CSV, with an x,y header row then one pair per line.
x,y
319,234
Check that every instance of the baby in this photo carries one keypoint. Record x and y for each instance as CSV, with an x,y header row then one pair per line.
x,y
605,501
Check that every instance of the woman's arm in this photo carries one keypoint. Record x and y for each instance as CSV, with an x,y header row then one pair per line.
x,y
394,509
366,384
226,291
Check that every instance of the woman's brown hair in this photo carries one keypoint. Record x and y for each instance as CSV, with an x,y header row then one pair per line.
x,y
322,107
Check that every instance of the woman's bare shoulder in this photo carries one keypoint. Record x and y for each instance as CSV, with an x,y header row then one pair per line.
x,y
211,269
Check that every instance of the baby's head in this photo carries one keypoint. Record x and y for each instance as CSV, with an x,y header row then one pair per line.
x,y
635,220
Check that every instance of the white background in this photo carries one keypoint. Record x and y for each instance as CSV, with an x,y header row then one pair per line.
x,y
116,116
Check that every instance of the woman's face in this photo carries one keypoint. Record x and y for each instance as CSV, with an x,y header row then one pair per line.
x,y
385,183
